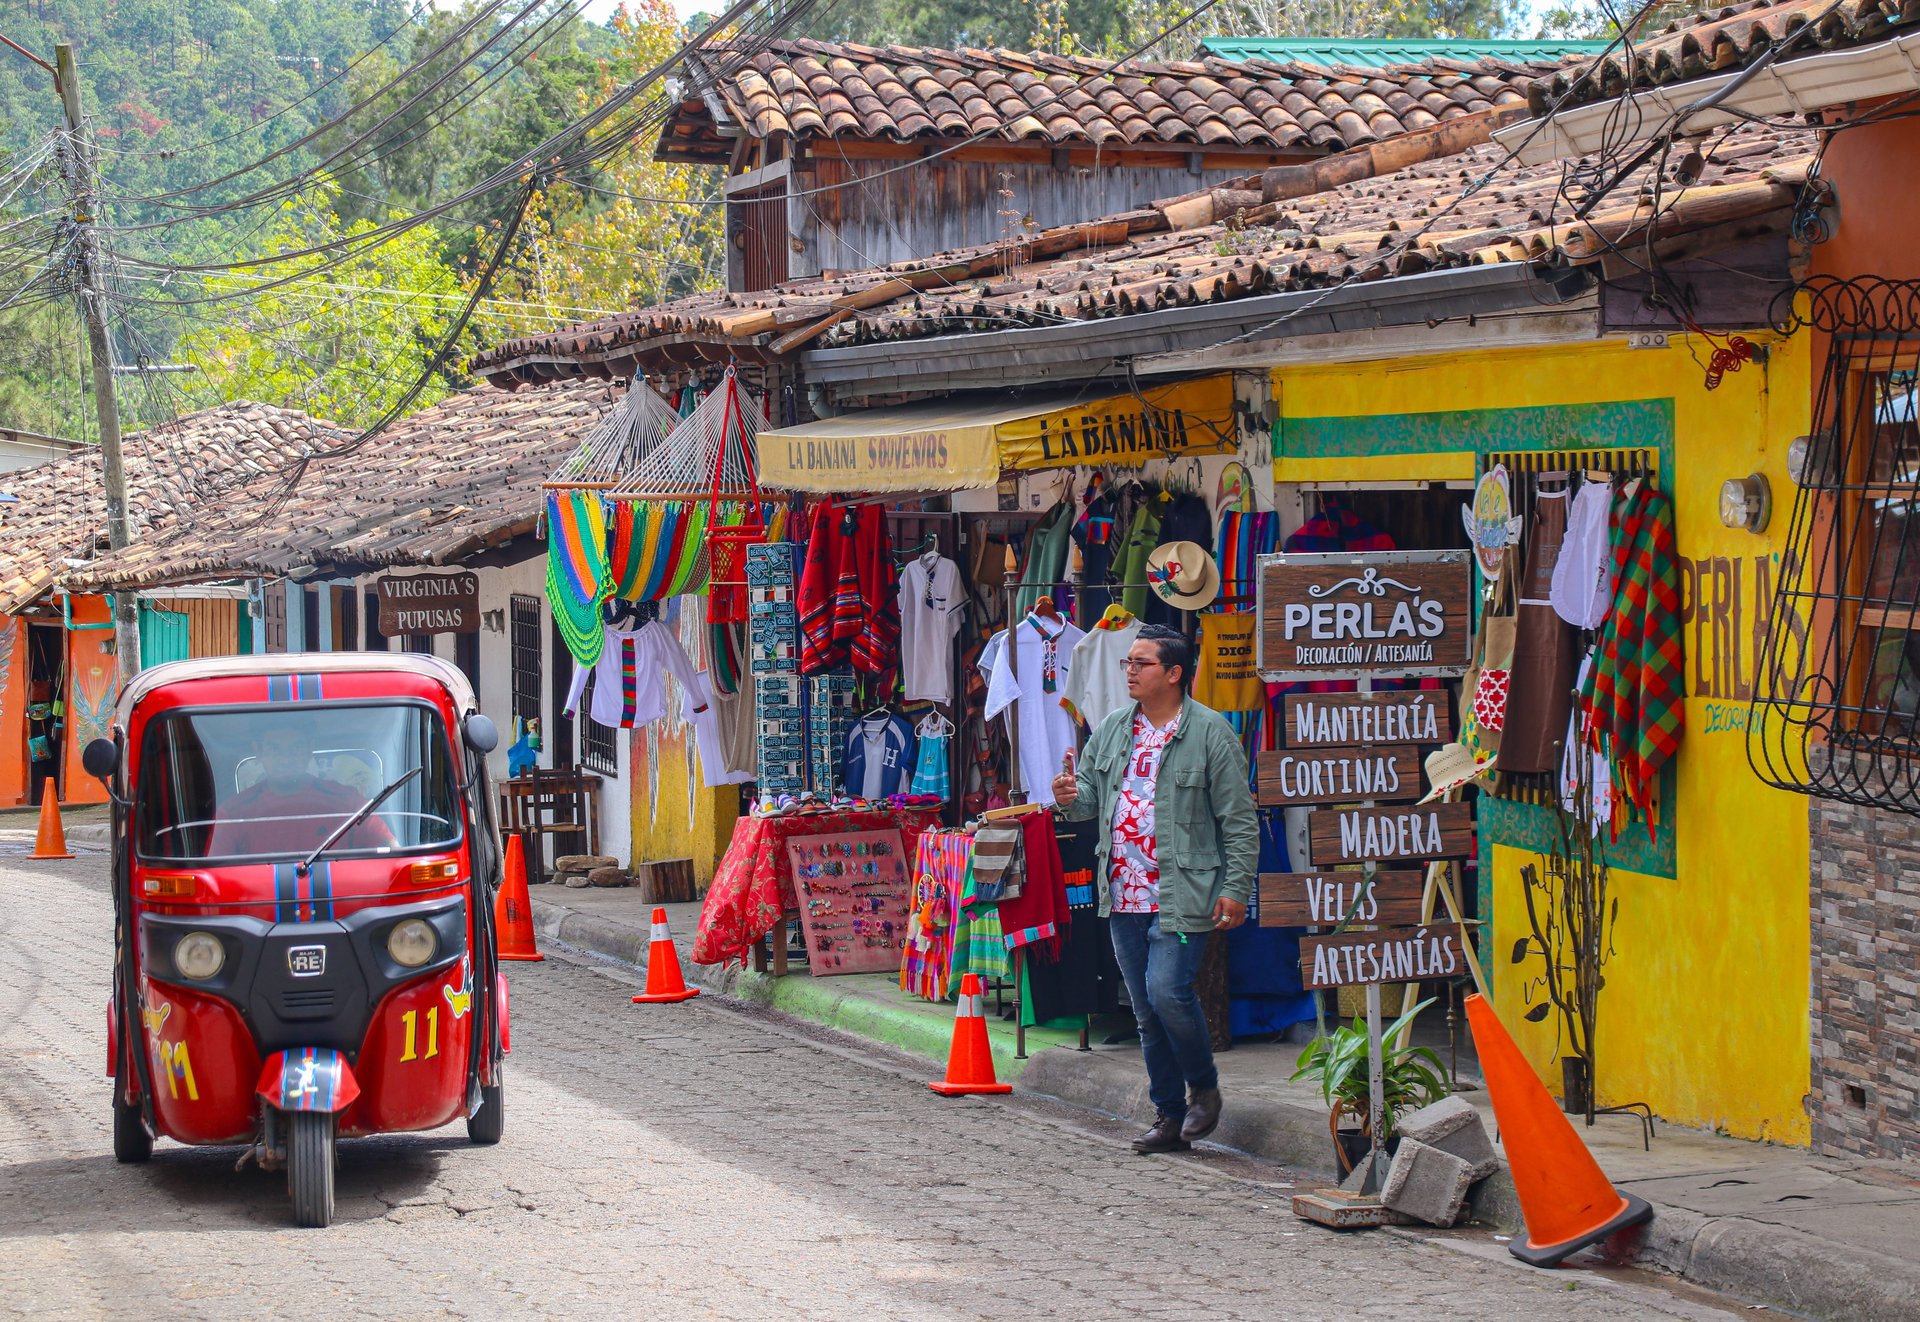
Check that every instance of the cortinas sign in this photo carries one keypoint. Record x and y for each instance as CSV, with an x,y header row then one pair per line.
x,y
428,603
1383,615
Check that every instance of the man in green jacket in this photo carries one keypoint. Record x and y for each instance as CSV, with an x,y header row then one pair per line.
x,y
1167,770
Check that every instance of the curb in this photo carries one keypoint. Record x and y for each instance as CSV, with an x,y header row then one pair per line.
x,y
1753,1259
804,998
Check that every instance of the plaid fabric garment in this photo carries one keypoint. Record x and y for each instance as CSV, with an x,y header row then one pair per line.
x,y
1634,699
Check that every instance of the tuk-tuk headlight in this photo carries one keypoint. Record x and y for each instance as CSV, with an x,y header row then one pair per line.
x,y
412,942
199,955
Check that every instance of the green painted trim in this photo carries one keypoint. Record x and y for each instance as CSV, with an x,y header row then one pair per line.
x,y
1621,424
1381,52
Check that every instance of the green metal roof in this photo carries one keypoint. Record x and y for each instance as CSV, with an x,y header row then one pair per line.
x,y
1376,52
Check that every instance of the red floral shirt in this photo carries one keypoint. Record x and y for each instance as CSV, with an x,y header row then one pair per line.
x,y
1134,870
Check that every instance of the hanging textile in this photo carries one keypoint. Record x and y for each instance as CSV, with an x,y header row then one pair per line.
x,y
1545,649
654,548
1634,696
939,875
577,569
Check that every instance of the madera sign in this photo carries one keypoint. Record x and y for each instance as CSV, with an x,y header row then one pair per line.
x,y
428,603
1380,615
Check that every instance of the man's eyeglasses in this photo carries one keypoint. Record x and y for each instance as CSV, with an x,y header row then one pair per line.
x,y
1130,665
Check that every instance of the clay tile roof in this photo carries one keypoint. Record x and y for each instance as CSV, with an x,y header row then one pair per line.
x,y
806,88
1729,37
60,510
452,479
1162,256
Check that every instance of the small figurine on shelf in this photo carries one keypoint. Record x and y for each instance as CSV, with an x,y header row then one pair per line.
x,y
524,753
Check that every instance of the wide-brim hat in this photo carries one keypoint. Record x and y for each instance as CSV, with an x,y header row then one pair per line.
x,y
1451,766
1182,574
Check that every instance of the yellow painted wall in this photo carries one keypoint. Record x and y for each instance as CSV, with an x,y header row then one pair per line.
x,y
674,815
1705,1012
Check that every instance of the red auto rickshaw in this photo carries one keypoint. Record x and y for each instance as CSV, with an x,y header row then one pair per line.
x,y
304,862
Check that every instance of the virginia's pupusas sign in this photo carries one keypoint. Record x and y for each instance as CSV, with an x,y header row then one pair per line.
x,y
428,603
1383,614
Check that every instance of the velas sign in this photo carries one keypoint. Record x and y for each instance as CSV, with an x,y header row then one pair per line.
x,y
428,603
1388,614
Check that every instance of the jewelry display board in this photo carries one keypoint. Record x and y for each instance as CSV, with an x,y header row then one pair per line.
x,y
852,889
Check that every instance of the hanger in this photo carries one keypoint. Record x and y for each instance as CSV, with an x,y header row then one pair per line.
x,y
931,542
1117,614
877,711
1044,609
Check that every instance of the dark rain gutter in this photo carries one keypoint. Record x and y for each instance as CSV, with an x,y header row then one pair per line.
x,y
1076,350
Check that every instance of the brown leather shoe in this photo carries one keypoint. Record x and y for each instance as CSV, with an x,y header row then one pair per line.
x,y
1203,1114
1163,1137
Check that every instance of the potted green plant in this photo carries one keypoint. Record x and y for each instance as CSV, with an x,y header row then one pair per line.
x,y
1411,1077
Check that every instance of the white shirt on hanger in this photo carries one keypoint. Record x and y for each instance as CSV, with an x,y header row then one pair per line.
x,y
1016,677
930,601
629,687
1098,685
1582,591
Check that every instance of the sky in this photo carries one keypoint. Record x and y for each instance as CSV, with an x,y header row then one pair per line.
x,y
597,10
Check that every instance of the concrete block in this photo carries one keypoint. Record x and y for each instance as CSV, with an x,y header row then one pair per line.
x,y
1455,1127
1427,1183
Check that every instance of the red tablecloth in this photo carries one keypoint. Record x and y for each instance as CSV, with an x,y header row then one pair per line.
x,y
753,884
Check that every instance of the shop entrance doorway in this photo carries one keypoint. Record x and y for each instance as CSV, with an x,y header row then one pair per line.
x,y
46,707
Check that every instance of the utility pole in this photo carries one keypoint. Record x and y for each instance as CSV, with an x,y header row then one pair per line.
x,y
126,619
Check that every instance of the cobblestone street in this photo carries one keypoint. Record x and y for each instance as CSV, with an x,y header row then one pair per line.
x,y
675,1162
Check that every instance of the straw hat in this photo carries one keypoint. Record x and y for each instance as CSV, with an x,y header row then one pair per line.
x,y
1451,766
1182,574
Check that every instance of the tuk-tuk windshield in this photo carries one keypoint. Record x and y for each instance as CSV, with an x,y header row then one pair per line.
x,y
274,783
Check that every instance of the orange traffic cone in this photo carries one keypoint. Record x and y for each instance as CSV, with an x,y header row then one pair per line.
x,y
664,982
970,1059
1566,1198
51,842
513,911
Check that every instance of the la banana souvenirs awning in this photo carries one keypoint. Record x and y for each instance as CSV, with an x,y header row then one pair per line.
x,y
961,444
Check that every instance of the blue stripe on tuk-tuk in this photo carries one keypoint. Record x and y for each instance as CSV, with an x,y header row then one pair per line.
x,y
320,882
285,893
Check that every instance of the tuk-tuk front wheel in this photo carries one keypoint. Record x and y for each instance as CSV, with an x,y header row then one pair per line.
x,y
310,1142
131,1141
488,1123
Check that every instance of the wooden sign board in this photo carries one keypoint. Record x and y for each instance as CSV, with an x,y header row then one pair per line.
x,y
1380,615
1395,954
416,604
1322,899
1352,720
1389,835
853,900
1346,775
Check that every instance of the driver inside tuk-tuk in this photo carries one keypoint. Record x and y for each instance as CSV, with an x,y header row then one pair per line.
x,y
291,810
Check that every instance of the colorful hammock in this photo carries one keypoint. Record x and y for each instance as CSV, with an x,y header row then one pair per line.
x,y
577,569
658,549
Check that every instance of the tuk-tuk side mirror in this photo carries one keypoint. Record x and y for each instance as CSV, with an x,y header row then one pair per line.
x,y
483,736
101,758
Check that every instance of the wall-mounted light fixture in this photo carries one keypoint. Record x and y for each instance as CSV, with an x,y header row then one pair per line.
x,y
1746,502
494,621
1258,421
1810,457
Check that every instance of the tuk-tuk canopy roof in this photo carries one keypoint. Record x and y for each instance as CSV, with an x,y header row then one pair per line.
x,y
299,663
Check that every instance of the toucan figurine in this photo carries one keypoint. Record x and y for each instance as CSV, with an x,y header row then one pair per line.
x,y
524,752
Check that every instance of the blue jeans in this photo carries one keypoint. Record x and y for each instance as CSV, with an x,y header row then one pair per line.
x,y
1160,968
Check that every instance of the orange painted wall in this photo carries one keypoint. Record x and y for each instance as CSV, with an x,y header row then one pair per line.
x,y
93,686
1872,171
13,709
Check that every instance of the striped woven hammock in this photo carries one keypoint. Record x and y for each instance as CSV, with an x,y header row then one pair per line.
x,y
577,569
658,548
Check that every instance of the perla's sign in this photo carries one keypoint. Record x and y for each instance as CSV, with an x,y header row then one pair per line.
x,y
1387,614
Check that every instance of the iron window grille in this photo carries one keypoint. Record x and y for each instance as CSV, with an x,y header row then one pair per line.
x,y
597,749
525,627
1836,700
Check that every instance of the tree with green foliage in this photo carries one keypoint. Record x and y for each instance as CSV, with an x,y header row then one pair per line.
x,y
346,343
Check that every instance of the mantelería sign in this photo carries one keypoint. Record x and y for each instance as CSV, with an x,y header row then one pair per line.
x,y
1385,614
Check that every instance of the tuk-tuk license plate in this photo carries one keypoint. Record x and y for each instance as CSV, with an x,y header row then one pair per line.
x,y
307,961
